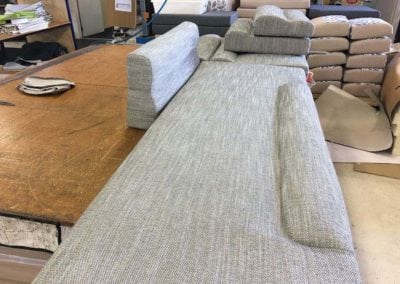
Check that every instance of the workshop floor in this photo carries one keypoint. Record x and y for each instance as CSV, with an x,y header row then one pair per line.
x,y
373,205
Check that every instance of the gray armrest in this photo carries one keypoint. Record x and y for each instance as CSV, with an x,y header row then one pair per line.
x,y
157,70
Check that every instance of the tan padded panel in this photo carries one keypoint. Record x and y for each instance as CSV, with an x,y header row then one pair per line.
x,y
329,73
321,86
331,26
329,44
363,28
367,61
373,45
287,4
363,76
359,89
326,59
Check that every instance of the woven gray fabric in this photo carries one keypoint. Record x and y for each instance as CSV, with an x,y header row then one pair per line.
x,y
158,70
240,38
274,59
233,183
272,21
207,46
223,55
326,59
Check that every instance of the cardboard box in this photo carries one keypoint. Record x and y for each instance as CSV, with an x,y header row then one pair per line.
x,y
119,18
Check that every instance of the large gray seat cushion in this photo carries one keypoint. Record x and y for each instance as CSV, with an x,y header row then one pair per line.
x,y
158,70
272,21
240,38
232,184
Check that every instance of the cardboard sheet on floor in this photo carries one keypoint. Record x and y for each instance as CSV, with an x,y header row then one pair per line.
x,y
347,120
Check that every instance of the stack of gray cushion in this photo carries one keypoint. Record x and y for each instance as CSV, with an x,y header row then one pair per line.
x,y
273,31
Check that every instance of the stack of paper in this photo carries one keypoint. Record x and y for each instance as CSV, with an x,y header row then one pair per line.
x,y
30,25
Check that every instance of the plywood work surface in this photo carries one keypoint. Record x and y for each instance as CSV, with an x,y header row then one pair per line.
x,y
57,152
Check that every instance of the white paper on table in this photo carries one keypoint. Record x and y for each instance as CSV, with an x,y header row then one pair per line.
x,y
123,5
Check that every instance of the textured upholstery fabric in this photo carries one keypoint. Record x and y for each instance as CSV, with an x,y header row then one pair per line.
x,y
274,59
203,30
373,45
210,19
329,44
240,38
321,86
223,55
326,59
273,21
363,28
331,26
363,76
367,61
233,183
328,73
351,12
358,89
249,13
158,70
286,4
222,5
207,46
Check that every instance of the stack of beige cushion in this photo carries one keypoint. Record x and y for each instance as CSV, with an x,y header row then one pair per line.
x,y
369,41
248,8
328,51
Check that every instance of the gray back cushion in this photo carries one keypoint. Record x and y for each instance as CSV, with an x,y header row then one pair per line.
x,y
157,70
272,21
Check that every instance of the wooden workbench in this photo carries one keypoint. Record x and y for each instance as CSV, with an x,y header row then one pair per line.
x,y
57,152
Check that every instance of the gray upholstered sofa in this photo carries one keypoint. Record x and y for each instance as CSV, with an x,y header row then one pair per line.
x,y
232,183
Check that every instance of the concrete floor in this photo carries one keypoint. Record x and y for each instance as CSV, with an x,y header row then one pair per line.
x,y
373,205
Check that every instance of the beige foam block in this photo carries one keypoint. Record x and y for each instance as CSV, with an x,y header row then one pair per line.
x,y
329,44
373,45
367,61
328,73
326,59
347,120
321,86
364,75
285,4
249,13
362,28
331,26
360,89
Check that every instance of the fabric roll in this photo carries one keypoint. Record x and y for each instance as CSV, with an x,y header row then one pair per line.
x,y
363,76
367,61
372,45
207,45
240,38
363,28
328,73
359,89
321,86
272,21
326,59
329,44
331,26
